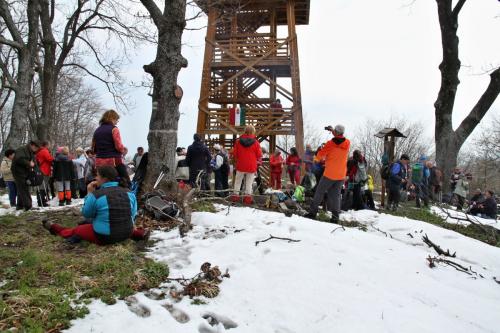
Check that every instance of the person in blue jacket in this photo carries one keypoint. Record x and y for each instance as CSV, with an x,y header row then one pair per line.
x,y
110,208
420,175
397,178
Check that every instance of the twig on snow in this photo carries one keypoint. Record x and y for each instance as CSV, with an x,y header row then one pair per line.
x,y
436,247
279,238
341,227
433,260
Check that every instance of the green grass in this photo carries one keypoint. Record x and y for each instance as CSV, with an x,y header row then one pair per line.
x,y
50,282
486,234
203,206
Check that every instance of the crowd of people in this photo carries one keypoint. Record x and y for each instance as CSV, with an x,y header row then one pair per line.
x,y
99,175
328,175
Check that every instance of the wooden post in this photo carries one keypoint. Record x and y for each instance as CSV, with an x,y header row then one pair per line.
x,y
206,77
295,74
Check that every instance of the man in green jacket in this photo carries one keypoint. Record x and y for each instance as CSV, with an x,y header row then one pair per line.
x,y
24,161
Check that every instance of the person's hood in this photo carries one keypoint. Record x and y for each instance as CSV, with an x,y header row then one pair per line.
x,y
338,140
247,140
62,157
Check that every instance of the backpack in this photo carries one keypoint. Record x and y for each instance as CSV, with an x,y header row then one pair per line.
x,y
417,173
35,176
385,172
361,175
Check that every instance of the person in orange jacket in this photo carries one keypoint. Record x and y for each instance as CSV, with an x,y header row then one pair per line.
x,y
276,161
335,153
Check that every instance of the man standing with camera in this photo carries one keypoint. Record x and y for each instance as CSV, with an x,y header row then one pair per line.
x,y
335,153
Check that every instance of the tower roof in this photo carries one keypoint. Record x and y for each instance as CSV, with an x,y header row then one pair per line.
x,y
302,8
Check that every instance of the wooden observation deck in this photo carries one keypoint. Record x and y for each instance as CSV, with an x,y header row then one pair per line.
x,y
251,60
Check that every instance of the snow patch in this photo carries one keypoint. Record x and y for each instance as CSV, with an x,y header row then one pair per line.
x,y
346,281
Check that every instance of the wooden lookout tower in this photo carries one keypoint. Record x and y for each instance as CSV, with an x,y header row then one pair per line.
x,y
251,61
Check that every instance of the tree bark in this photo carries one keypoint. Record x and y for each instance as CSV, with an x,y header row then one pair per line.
x,y
448,142
162,137
26,61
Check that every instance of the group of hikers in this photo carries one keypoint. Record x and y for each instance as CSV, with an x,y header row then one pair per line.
x,y
100,176
330,176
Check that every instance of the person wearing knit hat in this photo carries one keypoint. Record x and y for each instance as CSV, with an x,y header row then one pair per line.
x,y
335,153
220,164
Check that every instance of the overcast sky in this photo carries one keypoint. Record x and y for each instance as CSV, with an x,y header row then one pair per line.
x,y
358,60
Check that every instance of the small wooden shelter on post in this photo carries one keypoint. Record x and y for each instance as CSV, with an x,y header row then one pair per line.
x,y
389,135
249,64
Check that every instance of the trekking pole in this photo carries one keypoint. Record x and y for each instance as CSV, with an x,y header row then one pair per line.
x,y
163,172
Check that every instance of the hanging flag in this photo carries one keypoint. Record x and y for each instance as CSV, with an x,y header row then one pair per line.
x,y
237,116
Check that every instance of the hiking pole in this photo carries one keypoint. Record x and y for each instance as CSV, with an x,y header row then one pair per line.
x,y
163,172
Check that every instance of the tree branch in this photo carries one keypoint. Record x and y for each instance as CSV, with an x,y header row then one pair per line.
x,y
9,42
479,110
9,22
154,12
458,8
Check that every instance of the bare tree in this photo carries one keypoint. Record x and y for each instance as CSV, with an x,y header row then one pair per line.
x,y
77,112
481,157
449,141
162,137
415,145
25,44
112,17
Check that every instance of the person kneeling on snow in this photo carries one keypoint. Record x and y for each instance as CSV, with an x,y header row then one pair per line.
x,y
111,210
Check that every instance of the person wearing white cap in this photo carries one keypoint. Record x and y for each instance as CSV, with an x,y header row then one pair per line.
x,y
221,171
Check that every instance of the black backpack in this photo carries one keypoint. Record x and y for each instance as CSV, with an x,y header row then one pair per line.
x,y
385,172
35,176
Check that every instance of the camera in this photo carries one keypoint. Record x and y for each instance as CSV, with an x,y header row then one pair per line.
x,y
329,128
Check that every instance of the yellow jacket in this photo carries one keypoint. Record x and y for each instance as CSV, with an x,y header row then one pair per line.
x,y
371,185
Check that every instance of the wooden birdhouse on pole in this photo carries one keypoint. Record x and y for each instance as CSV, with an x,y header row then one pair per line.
x,y
251,70
389,135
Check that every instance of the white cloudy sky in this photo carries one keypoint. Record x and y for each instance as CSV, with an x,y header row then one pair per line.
x,y
359,60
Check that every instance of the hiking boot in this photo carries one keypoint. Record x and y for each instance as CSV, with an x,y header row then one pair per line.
x,y
47,224
248,200
68,202
310,215
335,217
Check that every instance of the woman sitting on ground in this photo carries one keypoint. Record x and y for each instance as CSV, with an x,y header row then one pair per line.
x,y
111,210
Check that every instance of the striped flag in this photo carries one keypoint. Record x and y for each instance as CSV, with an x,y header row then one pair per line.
x,y
237,116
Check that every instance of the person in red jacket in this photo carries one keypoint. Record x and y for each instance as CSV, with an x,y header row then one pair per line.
x,y
276,162
293,162
44,160
247,154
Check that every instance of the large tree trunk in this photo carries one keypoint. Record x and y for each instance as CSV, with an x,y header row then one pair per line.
x,y
26,61
162,137
448,142
49,75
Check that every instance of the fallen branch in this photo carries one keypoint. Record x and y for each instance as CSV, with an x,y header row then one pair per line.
x,y
341,227
382,231
410,235
436,247
433,260
279,238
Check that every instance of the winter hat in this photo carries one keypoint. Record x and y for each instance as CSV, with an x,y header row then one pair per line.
x,y
179,150
217,147
339,129
423,158
196,137
405,157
